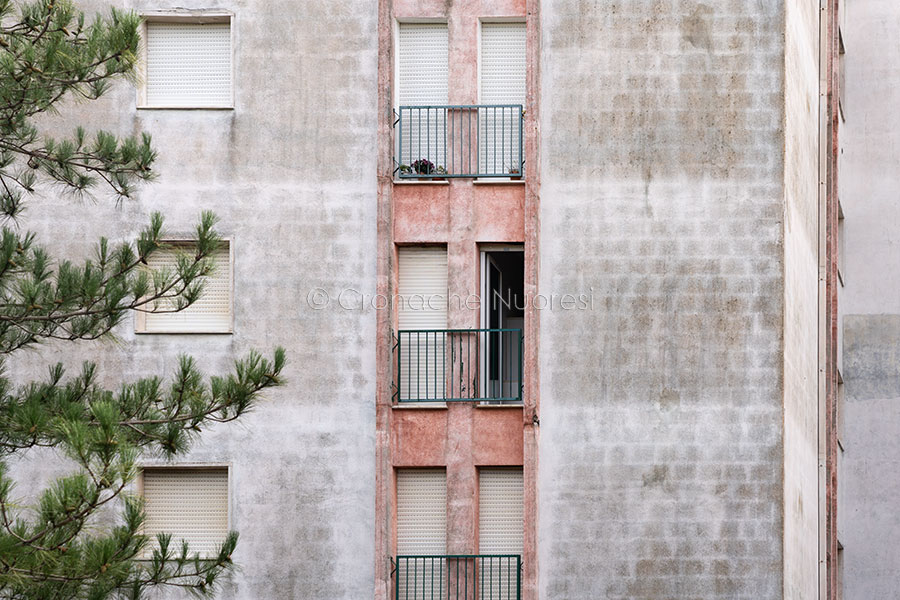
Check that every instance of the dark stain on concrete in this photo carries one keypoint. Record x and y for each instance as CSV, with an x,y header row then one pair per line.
x,y
695,28
871,357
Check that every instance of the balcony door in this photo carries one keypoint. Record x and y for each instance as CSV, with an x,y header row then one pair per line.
x,y
501,531
422,321
504,318
422,82
502,85
420,567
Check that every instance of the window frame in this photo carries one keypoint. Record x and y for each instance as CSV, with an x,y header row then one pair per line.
x,y
188,466
196,17
482,21
140,317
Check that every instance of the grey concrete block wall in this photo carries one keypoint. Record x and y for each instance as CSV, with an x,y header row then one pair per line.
x,y
869,480
291,174
662,191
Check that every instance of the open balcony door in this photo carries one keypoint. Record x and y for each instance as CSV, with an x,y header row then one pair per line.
x,y
500,351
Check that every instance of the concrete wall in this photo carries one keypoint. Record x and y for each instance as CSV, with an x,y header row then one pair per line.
x,y
291,174
801,240
869,179
661,409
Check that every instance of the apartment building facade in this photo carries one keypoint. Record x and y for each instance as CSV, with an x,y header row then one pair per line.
x,y
558,282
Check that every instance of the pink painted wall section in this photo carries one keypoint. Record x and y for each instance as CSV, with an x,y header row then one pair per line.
x,y
462,215
419,437
427,438
497,435
483,213
436,9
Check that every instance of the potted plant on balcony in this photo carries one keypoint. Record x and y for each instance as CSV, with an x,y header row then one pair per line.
x,y
423,166
515,173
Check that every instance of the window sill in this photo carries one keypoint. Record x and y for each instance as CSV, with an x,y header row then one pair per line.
x,y
518,405
419,406
418,182
176,332
500,181
215,108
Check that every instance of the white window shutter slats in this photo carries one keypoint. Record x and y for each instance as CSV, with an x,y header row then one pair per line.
x,y
211,313
503,63
423,63
422,296
422,288
500,510
421,530
190,504
421,511
500,527
422,80
502,82
188,64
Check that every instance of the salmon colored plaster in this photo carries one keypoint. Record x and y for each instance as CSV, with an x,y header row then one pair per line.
x,y
460,215
424,213
420,436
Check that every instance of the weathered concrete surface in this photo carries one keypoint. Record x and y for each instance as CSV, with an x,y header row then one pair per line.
x,y
291,174
869,484
661,410
870,304
801,240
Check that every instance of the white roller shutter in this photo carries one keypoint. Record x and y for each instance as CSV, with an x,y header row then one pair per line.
x,y
422,79
211,313
422,288
423,63
503,63
190,504
500,510
422,292
502,82
500,527
421,511
188,64
421,530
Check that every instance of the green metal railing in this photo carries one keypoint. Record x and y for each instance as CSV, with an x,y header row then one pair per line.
x,y
458,577
458,365
475,140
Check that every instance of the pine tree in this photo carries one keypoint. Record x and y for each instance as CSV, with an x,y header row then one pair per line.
x,y
59,548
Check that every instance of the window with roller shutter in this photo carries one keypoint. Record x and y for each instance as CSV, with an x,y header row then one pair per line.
x,y
500,526
211,313
502,81
188,63
422,291
189,504
421,530
422,80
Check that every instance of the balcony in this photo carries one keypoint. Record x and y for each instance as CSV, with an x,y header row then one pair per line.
x,y
458,365
460,576
447,141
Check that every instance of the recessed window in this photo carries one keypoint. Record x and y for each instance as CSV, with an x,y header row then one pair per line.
x,y
422,87
423,64
501,528
189,504
211,313
500,510
502,86
503,63
188,63
421,532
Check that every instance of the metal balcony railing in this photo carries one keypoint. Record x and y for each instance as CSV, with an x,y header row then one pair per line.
x,y
478,140
458,577
457,365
